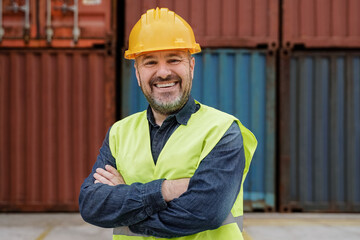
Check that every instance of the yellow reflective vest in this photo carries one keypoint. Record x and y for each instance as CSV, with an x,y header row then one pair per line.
x,y
129,141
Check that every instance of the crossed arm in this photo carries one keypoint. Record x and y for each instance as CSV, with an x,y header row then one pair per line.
x,y
166,208
170,189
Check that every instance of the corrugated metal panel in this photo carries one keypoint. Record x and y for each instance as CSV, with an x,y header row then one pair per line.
x,y
55,107
323,139
219,23
321,23
239,82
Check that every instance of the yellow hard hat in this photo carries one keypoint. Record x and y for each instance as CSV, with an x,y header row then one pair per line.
x,y
160,29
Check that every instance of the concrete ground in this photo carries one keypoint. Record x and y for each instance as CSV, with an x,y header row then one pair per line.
x,y
299,226
257,226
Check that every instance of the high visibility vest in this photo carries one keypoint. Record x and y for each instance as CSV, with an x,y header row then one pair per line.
x,y
129,142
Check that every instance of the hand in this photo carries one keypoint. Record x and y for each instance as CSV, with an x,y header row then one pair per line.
x,y
109,176
172,189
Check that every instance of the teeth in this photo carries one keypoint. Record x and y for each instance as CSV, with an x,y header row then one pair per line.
x,y
165,85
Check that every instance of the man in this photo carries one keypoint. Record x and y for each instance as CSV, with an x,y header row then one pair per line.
x,y
175,170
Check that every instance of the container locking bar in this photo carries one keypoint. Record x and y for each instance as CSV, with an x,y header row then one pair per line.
x,y
26,9
2,32
49,31
74,8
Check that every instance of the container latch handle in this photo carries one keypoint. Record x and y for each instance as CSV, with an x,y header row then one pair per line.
x,y
2,32
75,9
26,9
49,31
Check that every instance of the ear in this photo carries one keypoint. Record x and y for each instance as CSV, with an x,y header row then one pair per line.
x,y
192,66
137,73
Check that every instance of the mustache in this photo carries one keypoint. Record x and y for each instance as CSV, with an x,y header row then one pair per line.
x,y
168,78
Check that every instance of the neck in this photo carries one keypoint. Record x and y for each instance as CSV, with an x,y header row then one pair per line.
x,y
159,117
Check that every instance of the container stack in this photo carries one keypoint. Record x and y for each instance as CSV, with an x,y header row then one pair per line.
x,y
288,69
319,104
56,99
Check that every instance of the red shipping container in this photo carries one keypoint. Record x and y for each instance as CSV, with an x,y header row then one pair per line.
x,y
55,109
219,23
321,23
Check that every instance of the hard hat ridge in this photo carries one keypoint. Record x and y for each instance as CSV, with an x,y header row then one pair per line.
x,y
160,29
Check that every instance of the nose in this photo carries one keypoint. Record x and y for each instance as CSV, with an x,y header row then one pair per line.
x,y
163,70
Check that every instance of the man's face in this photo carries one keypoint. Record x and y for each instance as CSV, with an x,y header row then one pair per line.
x,y
165,77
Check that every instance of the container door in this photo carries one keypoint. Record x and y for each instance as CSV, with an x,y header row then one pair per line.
x,y
76,23
55,23
320,132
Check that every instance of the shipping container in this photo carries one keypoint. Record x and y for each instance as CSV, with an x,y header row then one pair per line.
x,y
321,23
56,23
55,108
320,132
239,82
218,23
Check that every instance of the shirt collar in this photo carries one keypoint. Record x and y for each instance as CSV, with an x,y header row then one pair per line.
x,y
182,116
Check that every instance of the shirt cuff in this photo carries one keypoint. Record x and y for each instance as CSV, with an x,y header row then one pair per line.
x,y
152,197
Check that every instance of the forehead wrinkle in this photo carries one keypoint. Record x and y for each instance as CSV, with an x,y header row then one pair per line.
x,y
177,53
146,57
170,55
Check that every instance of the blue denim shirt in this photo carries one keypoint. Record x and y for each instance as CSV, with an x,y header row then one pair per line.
x,y
210,196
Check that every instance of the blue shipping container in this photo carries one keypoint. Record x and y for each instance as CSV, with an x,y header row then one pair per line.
x,y
324,133
242,83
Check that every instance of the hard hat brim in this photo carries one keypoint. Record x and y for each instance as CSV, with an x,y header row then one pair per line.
x,y
129,55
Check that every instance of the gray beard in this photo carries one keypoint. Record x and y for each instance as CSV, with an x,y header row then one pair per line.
x,y
168,108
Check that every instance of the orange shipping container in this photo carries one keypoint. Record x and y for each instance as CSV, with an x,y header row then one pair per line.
x,y
55,108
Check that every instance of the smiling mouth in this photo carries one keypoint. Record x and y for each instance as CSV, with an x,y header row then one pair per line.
x,y
165,85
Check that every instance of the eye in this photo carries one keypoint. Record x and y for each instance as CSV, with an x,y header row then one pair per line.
x,y
150,63
174,60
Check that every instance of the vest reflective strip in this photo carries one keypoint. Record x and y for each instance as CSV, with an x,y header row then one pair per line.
x,y
231,219
125,230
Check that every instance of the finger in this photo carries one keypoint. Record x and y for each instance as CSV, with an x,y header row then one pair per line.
x,y
97,181
102,179
112,170
117,178
114,179
105,173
